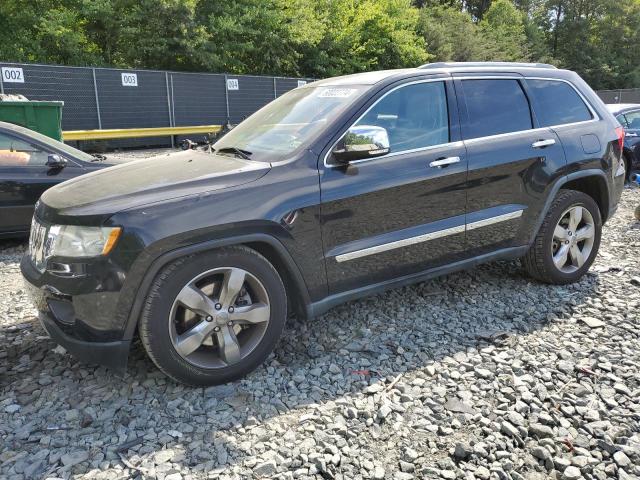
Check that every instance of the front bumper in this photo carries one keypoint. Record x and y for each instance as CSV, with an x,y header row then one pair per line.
x,y
110,354
80,314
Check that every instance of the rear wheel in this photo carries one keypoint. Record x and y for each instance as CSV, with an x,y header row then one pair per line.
x,y
568,240
214,317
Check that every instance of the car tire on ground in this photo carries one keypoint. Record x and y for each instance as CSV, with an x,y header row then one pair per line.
x,y
568,240
212,318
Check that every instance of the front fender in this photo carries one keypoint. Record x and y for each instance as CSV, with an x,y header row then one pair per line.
x,y
158,263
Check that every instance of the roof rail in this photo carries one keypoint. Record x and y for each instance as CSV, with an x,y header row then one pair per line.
x,y
427,66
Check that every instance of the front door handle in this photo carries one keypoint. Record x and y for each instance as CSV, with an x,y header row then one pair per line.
x,y
543,143
443,162
630,134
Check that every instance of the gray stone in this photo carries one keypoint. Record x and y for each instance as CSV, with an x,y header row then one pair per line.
x,y
265,469
571,473
13,408
540,431
621,459
73,458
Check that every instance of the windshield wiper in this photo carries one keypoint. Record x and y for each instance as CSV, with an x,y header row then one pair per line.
x,y
239,152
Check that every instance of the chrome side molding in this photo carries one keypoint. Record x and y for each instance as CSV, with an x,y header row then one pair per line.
x,y
405,242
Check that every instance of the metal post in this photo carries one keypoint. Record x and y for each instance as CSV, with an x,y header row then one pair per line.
x,y
1,86
226,97
275,90
95,91
173,113
172,122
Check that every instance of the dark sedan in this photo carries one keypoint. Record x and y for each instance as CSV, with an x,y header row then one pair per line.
x,y
30,163
628,114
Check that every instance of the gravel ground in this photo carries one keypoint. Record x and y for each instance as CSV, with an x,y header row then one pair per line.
x,y
482,374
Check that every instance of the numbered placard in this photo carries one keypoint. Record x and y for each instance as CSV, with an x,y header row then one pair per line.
x,y
129,79
302,83
232,84
12,75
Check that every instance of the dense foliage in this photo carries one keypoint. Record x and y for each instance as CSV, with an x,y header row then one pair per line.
x,y
319,38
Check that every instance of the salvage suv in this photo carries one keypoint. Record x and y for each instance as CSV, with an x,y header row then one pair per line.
x,y
338,189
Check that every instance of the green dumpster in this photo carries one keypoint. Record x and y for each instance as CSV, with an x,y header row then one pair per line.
x,y
43,117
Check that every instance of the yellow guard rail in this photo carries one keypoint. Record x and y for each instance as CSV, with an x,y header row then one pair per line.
x,y
137,132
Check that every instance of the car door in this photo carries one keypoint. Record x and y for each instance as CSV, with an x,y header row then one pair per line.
x,y
403,212
511,163
24,176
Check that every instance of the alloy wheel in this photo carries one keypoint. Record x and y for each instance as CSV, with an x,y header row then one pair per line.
x,y
573,239
219,317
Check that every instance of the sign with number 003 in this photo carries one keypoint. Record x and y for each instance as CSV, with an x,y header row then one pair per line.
x,y
129,79
12,75
232,84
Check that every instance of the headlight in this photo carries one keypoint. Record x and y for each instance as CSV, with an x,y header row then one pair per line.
x,y
69,241
76,241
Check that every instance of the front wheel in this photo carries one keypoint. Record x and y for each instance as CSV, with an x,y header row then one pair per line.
x,y
214,317
568,240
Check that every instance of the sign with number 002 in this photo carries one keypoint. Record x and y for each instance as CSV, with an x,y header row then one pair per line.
x,y
129,79
12,75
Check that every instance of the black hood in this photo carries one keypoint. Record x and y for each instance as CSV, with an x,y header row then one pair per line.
x,y
150,180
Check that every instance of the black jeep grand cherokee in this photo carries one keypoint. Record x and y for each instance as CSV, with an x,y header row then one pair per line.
x,y
336,190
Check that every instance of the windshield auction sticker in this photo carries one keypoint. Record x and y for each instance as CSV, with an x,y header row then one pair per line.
x,y
336,93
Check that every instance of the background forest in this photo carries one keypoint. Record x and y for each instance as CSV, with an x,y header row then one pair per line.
x,y
320,38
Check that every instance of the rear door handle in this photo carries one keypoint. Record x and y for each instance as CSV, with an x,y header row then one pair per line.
x,y
543,143
630,134
443,162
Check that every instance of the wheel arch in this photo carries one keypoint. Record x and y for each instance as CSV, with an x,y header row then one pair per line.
x,y
596,187
268,246
592,182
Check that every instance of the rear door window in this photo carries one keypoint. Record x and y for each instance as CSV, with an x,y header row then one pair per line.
x,y
557,103
495,106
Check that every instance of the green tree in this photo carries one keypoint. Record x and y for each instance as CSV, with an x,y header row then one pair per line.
x,y
450,34
504,33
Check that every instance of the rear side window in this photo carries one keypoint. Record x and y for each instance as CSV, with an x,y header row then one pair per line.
x,y
622,120
557,103
633,119
495,107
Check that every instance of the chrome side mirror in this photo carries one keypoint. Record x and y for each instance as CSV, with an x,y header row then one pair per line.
x,y
360,142
56,161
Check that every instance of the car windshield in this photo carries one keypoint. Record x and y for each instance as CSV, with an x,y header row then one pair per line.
x,y
289,122
54,144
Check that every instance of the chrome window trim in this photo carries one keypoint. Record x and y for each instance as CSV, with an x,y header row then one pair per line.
x,y
457,144
594,113
401,152
405,242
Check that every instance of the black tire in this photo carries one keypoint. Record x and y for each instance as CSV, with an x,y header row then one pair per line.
x,y
627,168
154,322
538,262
